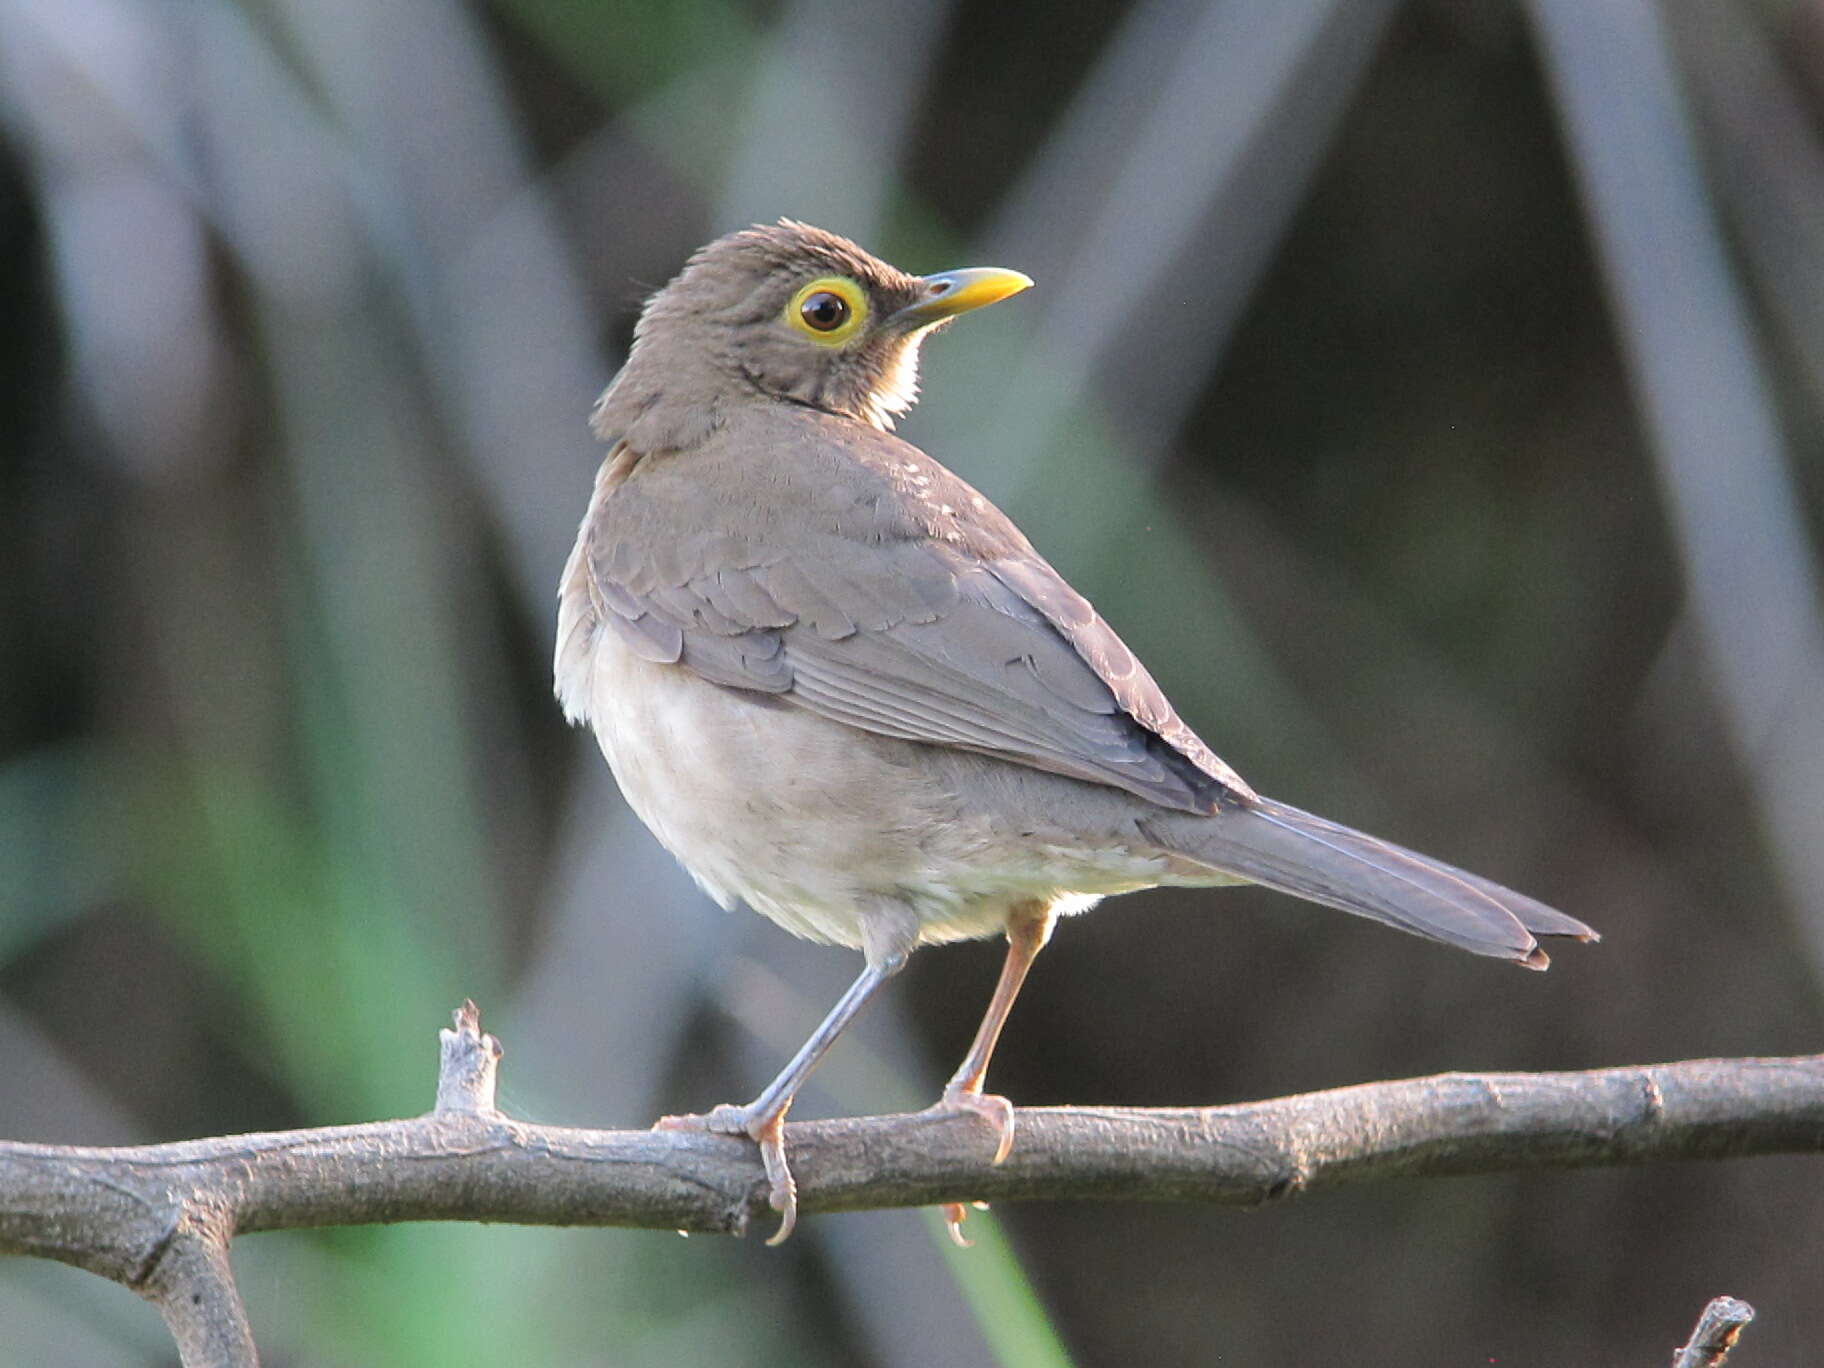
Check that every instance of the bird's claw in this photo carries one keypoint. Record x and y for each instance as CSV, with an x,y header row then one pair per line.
x,y
784,1196
996,1111
954,1215
766,1132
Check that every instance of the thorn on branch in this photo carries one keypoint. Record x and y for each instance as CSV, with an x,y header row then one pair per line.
x,y
470,1065
1717,1331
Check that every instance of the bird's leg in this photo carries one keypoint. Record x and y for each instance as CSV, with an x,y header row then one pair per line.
x,y
763,1119
1028,929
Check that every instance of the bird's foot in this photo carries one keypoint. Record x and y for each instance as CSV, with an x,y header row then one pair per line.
x,y
768,1132
998,1112
954,1215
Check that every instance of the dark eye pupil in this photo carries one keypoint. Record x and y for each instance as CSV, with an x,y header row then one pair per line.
x,y
824,311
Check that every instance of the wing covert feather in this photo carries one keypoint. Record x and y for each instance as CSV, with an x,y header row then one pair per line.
x,y
900,630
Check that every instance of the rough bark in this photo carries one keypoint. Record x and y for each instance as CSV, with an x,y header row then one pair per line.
x,y
159,1218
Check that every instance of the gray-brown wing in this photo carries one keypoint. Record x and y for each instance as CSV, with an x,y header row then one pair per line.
x,y
911,638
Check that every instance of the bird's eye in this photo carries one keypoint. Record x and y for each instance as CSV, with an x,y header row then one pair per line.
x,y
828,311
824,311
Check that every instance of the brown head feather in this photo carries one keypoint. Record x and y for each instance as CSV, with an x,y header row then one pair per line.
x,y
716,334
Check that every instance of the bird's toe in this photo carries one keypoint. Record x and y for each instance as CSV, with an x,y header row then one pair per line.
x,y
995,1110
766,1131
726,1119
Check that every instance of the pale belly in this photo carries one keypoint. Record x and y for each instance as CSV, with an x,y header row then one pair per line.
x,y
814,823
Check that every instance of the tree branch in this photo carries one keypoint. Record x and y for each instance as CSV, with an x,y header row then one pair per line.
x,y
193,1288
158,1218
1717,1330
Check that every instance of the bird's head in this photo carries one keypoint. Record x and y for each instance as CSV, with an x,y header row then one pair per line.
x,y
785,312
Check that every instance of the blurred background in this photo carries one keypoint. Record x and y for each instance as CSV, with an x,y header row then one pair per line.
x,y
1431,393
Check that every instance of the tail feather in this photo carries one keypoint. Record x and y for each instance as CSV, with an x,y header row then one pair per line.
x,y
1297,852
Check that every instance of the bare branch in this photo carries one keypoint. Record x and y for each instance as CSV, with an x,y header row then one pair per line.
x,y
158,1218
1717,1331
193,1288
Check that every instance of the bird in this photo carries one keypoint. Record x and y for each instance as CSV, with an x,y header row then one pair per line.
x,y
840,686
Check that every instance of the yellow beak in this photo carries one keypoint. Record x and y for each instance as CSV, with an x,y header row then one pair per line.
x,y
953,292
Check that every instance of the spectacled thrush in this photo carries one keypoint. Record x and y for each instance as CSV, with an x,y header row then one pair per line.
x,y
842,687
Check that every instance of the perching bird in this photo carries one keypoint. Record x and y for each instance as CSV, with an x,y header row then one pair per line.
x,y
839,685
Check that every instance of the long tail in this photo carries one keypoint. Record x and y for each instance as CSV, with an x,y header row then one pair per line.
x,y
1308,856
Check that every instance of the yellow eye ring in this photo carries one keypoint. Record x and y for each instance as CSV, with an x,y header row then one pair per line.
x,y
829,310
